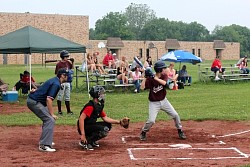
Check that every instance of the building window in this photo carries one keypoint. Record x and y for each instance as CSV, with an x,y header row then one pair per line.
x,y
199,52
169,50
147,54
193,51
140,52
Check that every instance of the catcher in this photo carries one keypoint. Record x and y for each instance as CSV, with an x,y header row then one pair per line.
x,y
90,130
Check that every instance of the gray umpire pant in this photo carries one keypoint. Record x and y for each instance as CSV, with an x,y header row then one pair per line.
x,y
42,112
154,109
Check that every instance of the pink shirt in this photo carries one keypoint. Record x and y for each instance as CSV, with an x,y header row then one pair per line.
x,y
136,76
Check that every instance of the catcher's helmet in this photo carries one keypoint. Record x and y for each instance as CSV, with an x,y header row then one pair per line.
x,y
159,65
64,53
97,92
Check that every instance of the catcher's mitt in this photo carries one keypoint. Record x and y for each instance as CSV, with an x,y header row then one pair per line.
x,y
124,122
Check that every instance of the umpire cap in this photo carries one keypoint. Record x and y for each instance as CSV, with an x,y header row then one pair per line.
x,y
62,71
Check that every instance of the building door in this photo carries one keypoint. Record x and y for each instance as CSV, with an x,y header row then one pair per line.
x,y
219,53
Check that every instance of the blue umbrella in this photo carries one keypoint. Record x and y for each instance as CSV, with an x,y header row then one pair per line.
x,y
181,56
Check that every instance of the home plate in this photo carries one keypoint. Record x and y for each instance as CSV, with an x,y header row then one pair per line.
x,y
180,145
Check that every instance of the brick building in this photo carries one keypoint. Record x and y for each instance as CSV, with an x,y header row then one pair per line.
x,y
76,29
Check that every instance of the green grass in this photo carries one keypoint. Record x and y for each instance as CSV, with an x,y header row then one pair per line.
x,y
201,101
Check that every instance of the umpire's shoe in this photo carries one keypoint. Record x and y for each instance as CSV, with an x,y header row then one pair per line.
x,y
143,136
181,134
45,148
86,146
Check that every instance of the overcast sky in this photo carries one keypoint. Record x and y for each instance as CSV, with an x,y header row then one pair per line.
x,y
206,12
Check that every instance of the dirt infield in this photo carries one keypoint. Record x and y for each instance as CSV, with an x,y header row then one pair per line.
x,y
209,143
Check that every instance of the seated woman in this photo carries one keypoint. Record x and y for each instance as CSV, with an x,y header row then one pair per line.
x,y
172,76
242,64
183,75
121,74
148,62
91,64
136,75
24,83
97,64
3,86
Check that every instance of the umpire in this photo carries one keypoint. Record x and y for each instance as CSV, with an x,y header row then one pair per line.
x,y
40,103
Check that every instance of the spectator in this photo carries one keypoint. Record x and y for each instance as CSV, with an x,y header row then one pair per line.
x,y
24,83
172,77
3,86
121,74
183,74
66,86
124,63
217,68
136,75
148,62
116,60
91,64
108,60
97,64
242,64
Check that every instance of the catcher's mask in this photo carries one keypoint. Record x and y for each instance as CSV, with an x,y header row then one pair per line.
x,y
97,92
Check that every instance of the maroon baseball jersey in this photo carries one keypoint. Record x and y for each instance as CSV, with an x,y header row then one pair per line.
x,y
157,91
63,64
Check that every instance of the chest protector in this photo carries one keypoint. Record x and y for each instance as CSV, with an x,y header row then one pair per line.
x,y
95,114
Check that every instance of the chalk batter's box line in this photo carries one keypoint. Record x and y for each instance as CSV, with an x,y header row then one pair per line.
x,y
193,144
241,154
123,138
233,134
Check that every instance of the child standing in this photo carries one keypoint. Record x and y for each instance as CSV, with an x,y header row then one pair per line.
x,y
157,99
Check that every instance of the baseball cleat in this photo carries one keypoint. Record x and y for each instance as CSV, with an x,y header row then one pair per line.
x,y
95,144
143,136
86,146
181,134
70,113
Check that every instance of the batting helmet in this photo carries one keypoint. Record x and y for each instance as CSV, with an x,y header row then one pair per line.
x,y
149,72
97,92
64,53
159,65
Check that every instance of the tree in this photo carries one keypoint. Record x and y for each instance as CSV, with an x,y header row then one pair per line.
x,y
91,34
234,33
195,32
138,15
155,30
112,25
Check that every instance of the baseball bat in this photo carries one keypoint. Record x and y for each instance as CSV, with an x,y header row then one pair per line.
x,y
138,62
51,61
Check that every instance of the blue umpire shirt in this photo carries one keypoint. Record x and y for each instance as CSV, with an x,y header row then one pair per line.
x,y
48,89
